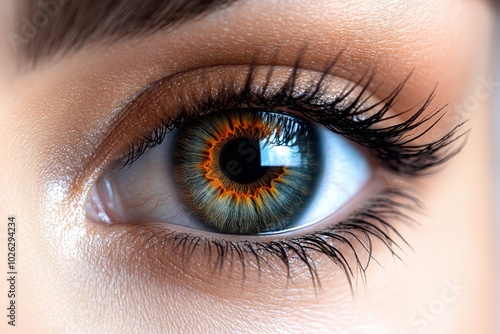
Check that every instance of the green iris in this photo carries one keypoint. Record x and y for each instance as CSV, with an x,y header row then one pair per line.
x,y
246,171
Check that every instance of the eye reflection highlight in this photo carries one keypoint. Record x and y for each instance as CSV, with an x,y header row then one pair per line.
x,y
278,155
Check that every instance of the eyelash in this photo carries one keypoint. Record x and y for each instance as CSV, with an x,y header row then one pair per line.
x,y
360,229
395,146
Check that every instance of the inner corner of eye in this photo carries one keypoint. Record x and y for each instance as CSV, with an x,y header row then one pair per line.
x,y
235,172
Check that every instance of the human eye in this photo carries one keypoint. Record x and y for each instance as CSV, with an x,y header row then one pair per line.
x,y
383,228
270,164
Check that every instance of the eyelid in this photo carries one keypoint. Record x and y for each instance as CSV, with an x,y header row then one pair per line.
x,y
155,103
150,106
344,107
347,245
169,96
165,98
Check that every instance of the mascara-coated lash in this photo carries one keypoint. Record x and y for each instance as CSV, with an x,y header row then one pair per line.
x,y
397,145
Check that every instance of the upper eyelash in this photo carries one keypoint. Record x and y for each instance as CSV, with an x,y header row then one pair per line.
x,y
394,145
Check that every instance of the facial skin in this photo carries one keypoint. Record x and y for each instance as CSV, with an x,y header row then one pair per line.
x,y
62,124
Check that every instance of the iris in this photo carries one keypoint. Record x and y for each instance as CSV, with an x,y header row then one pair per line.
x,y
246,171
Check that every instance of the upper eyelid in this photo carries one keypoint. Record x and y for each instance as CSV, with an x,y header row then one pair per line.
x,y
125,130
245,73
297,88
124,121
130,112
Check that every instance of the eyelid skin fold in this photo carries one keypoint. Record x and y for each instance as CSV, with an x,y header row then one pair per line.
x,y
347,108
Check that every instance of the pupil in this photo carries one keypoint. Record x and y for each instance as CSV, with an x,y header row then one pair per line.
x,y
241,162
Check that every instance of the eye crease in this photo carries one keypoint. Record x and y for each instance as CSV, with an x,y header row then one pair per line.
x,y
194,152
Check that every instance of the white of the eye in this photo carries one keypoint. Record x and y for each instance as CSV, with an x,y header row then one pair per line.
x,y
345,171
148,193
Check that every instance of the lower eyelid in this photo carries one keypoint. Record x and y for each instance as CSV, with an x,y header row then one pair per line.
x,y
207,264
169,251
378,185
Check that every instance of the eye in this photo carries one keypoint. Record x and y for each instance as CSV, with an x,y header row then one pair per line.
x,y
243,171
235,157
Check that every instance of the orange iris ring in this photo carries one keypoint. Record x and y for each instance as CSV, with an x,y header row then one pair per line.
x,y
233,129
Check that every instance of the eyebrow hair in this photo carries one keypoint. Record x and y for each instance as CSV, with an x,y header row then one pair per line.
x,y
50,27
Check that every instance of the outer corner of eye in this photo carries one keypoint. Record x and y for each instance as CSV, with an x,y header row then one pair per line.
x,y
239,172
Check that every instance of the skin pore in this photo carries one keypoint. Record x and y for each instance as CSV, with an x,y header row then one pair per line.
x,y
65,120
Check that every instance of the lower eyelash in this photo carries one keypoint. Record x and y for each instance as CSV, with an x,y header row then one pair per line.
x,y
358,232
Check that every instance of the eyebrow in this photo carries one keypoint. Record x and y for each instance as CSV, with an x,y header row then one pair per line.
x,y
56,27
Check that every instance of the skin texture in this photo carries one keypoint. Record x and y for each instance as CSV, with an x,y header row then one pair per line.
x,y
58,126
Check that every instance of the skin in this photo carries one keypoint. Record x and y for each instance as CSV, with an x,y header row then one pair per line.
x,y
79,277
